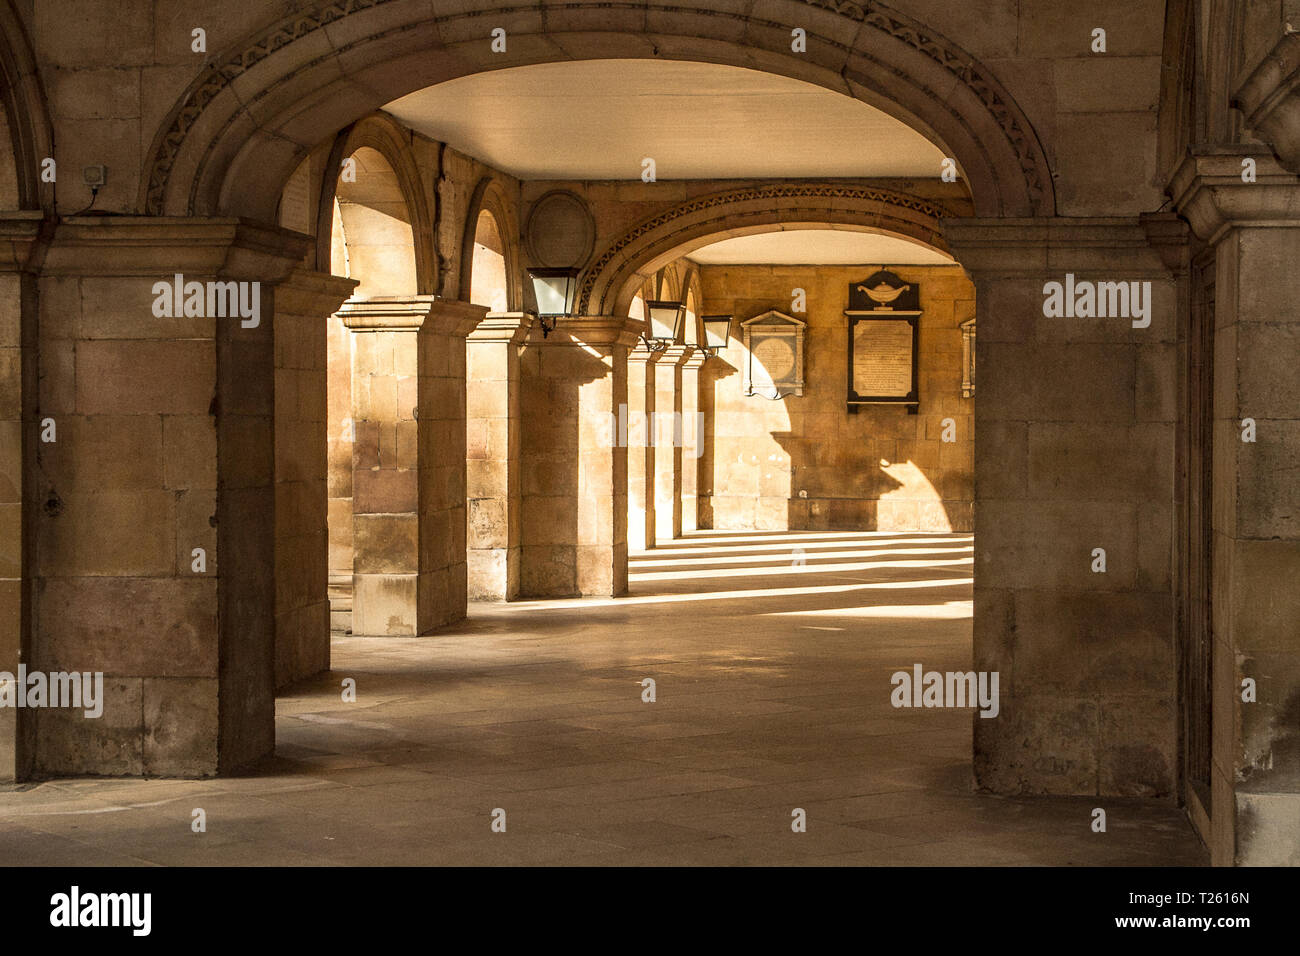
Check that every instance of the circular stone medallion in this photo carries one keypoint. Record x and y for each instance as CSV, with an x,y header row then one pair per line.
x,y
560,232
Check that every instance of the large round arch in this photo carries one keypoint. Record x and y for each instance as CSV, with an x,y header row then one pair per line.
x,y
23,104
240,129
608,284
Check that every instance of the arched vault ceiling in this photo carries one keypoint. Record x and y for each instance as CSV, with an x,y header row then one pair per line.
x,y
817,247
598,119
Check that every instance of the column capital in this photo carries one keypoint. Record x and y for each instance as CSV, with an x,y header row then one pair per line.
x,y
640,355
411,313
596,331
19,231
676,354
1028,248
454,317
1208,190
503,327
386,313
696,358
1269,98
307,292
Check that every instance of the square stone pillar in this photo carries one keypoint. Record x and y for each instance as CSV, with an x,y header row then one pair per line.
x,y
669,433
574,465
385,461
305,305
492,464
636,430
20,429
340,437
154,532
408,479
1254,230
693,438
1074,456
442,571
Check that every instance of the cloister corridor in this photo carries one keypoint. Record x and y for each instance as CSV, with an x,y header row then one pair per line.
x,y
458,432
771,654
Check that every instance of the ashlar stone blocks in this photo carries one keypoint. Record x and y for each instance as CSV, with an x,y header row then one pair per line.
x,y
574,468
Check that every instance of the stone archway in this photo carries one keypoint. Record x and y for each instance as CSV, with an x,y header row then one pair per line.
x,y
490,198
386,138
311,73
609,283
26,115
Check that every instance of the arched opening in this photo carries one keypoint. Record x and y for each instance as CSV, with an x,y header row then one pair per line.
x,y
489,265
892,63
371,385
372,233
694,157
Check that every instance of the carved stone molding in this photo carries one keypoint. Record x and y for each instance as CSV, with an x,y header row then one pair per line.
x,y
962,65
1270,100
1208,190
925,215
188,115
1018,248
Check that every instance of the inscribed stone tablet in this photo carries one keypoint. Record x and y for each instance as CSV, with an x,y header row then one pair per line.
x,y
882,359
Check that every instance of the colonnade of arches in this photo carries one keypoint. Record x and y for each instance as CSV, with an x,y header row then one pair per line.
x,y
468,437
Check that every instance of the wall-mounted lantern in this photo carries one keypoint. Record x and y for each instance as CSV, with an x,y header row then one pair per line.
x,y
717,332
556,291
665,323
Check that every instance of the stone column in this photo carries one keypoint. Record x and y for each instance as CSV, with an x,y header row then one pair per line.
x,y
339,441
493,455
693,438
442,572
669,432
305,305
574,466
408,483
385,461
1074,456
635,428
20,428
1254,229
154,538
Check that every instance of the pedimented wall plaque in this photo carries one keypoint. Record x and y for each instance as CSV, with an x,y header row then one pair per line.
x,y
773,355
883,313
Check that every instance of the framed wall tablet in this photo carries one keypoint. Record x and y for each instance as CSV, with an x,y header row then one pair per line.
x,y
883,313
968,358
773,355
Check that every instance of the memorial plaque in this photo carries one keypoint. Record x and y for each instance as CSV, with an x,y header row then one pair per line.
x,y
882,358
774,355
883,316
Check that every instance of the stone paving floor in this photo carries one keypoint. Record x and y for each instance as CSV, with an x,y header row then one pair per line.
x,y
771,655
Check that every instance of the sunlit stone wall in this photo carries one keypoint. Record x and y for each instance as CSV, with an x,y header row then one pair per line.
x,y
804,461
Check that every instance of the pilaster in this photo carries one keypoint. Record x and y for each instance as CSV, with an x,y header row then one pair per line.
x,y
1254,228
1074,487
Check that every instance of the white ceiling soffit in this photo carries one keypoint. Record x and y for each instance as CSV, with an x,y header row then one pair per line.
x,y
598,119
817,247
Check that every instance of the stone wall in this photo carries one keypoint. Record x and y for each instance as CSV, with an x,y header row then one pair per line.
x,y
805,462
